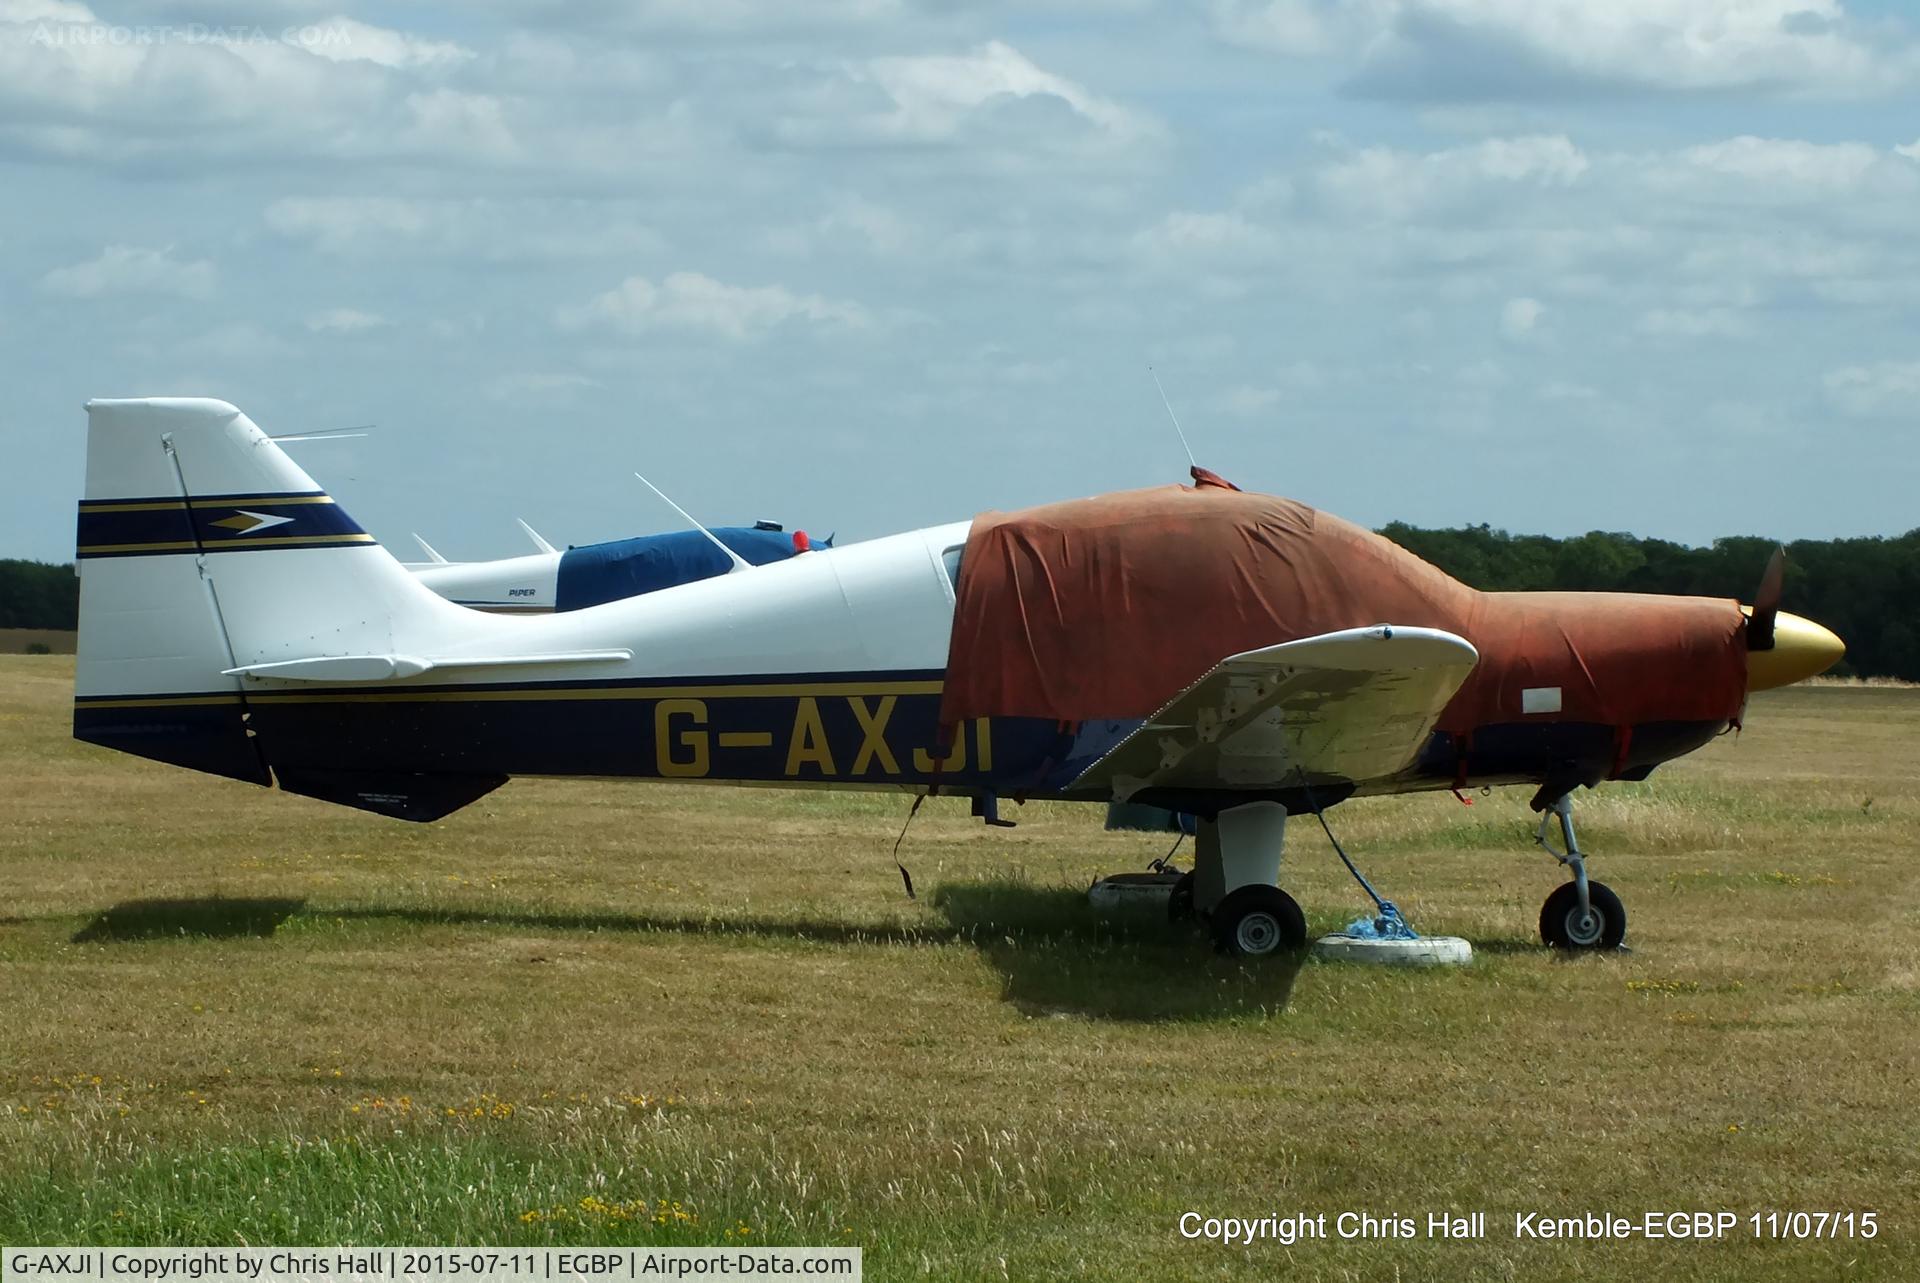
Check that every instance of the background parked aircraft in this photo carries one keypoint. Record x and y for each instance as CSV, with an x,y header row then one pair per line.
x,y
589,574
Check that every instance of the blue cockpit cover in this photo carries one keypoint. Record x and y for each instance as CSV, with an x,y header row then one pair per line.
x,y
604,572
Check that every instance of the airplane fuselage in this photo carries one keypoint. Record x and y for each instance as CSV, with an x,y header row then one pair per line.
x,y
822,671
1235,656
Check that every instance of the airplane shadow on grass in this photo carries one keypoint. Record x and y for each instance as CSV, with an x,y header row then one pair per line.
x,y
1056,956
212,918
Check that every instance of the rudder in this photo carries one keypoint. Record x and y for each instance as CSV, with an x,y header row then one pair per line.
x,y
203,548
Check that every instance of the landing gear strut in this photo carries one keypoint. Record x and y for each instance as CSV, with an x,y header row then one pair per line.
x,y
1581,914
1235,867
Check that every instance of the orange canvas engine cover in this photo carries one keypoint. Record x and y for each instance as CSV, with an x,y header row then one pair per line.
x,y
1106,608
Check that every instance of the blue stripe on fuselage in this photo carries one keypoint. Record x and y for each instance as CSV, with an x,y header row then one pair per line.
x,y
875,729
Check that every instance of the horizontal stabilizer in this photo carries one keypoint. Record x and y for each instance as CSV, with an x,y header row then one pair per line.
x,y
381,668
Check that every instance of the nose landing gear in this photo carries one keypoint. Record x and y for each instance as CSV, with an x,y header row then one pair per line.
x,y
1581,914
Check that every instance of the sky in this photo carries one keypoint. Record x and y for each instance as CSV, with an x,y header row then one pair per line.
x,y
865,265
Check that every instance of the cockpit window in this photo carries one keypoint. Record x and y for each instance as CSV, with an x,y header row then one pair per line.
x,y
951,560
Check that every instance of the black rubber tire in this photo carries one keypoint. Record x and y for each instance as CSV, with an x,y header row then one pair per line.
x,y
1258,922
1180,899
1560,924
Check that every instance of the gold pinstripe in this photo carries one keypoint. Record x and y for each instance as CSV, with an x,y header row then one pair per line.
x,y
456,694
195,701
237,541
261,501
109,505
96,548
94,505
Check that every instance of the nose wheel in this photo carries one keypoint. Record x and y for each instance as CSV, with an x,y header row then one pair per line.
x,y
1564,924
1581,914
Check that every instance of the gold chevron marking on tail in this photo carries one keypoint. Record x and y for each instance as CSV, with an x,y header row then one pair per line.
x,y
245,522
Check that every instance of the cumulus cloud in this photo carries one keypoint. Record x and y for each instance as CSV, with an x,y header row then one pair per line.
x,y
584,95
1386,182
934,93
1563,391
344,320
341,223
1693,239
691,301
131,269
1473,268
742,17
541,387
1184,234
881,230
344,39
1751,171
931,99
44,11
82,87
1493,50
1520,317
1692,323
530,228
1297,27
1885,389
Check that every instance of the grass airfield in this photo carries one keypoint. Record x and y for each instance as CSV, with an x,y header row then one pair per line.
x,y
591,1013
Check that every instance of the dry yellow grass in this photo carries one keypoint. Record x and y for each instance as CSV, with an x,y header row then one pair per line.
x,y
334,1027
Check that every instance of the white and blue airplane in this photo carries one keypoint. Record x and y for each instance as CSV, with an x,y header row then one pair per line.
x,y
235,620
576,578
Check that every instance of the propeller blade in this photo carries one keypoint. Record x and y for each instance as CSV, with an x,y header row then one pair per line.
x,y
1766,603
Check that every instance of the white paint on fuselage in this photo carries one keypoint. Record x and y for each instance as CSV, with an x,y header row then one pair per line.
x,y
883,605
511,583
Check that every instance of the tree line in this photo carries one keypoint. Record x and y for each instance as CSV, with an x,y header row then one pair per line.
x,y
34,594
1867,590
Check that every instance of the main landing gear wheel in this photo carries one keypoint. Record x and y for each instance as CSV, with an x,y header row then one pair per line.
x,y
1180,899
1563,926
1257,922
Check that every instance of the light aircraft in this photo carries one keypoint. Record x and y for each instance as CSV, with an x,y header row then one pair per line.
x,y
1233,656
593,574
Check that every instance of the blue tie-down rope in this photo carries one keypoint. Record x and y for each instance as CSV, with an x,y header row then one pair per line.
x,y
1388,924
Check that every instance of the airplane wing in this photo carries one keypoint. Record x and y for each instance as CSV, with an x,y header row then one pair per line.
x,y
1352,705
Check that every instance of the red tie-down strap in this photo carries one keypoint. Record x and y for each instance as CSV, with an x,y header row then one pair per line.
x,y
945,736
1622,745
1463,745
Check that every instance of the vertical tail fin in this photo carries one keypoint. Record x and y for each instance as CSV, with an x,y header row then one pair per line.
x,y
203,548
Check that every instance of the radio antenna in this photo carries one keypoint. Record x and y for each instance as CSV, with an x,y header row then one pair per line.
x,y
1191,461
326,434
538,540
739,563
